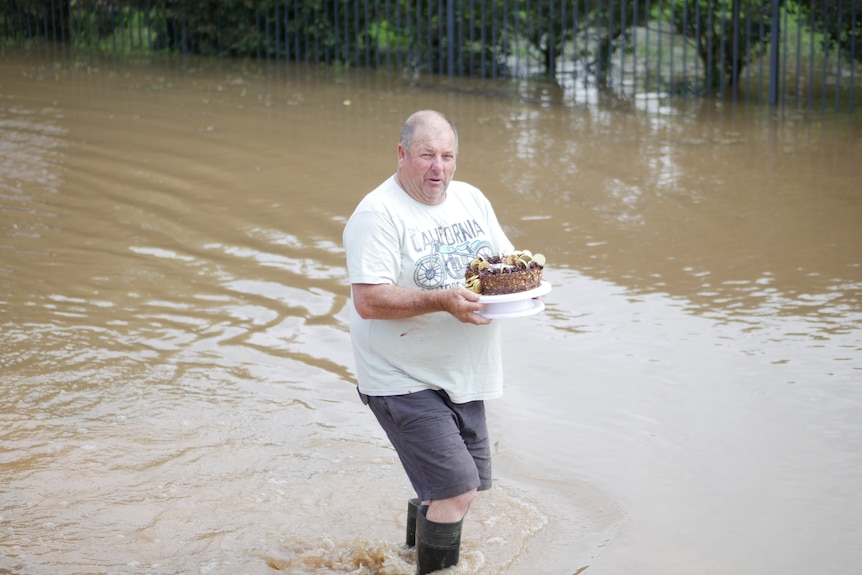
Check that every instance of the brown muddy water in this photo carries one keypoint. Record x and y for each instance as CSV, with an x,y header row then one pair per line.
x,y
176,380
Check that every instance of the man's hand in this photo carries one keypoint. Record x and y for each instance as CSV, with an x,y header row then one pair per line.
x,y
386,301
463,304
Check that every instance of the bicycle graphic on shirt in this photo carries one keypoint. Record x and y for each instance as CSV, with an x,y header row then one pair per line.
x,y
451,261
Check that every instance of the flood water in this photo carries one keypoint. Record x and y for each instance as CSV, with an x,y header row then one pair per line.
x,y
176,380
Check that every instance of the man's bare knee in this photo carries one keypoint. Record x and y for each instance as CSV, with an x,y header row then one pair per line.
x,y
452,509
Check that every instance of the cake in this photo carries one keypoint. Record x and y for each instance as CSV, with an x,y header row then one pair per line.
x,y
503,274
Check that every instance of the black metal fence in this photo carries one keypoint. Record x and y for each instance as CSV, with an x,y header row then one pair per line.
x,y
800,53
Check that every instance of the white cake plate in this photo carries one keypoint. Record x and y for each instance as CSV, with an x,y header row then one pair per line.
x,y
511,305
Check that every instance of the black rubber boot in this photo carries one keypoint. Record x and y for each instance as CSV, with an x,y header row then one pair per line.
x,y
438,545
410,532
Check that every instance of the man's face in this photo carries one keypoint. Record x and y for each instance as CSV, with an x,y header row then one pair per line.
x,y
425,170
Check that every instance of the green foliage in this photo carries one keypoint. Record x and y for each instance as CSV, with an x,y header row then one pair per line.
x,y
597,27
115,27
480,44
118,26
548,26
728,34
212,27
34,18
840,22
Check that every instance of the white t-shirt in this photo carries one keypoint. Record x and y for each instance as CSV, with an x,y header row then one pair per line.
x,y
393,239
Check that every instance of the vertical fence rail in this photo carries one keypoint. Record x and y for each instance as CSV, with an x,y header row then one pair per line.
x,y
774,44
802,53
855,24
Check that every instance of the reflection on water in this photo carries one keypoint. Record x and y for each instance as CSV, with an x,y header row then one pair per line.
x,y
176,372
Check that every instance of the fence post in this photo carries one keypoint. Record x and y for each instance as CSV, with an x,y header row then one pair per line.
x,y
450,23
774,41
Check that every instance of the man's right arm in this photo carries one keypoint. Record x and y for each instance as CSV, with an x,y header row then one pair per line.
x,y
387,301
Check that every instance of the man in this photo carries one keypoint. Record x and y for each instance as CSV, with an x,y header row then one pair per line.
x,y
426,361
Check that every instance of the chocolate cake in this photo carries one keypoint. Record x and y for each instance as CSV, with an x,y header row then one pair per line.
x,y
504,274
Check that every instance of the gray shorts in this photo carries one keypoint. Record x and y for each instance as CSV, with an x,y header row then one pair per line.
x,y
442,445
